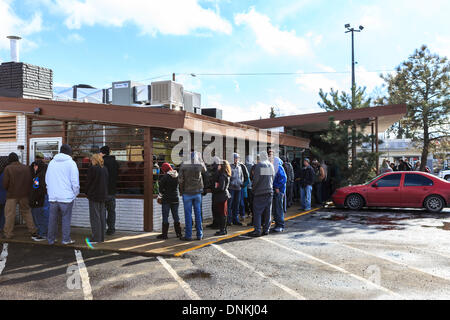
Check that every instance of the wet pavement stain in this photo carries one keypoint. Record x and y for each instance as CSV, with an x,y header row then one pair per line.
x,y
381,223
446,226
199,274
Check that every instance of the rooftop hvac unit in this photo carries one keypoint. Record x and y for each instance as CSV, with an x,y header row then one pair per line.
x,y
212,112
192,100
123,93
167,93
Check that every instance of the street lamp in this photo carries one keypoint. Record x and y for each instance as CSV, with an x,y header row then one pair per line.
x,y
353,30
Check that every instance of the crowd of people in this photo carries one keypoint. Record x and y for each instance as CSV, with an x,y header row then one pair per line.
x,y
263,190
45,195
402,165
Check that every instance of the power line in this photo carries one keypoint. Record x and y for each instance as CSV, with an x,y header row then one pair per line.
x,y
279,73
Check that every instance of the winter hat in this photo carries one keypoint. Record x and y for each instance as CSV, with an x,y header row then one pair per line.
x,y
13,157
307,160
105,150
66,149
166,167
39,155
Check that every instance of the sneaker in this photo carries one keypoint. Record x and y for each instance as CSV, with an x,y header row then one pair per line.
x,y
68,242
277,230
200,238
220,233
37,238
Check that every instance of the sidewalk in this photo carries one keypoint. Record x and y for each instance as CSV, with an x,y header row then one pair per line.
x,y
145,243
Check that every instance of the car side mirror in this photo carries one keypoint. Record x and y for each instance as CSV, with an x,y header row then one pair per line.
x,y
374,185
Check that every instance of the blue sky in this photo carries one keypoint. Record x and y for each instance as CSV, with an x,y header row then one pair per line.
x,y
97,42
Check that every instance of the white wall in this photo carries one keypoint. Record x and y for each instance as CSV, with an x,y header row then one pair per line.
x,y
157,213
8,147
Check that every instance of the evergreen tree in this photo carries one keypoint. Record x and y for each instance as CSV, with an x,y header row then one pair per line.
x,y
422,83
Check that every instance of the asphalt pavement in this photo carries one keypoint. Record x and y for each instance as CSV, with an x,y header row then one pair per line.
x,y
328,254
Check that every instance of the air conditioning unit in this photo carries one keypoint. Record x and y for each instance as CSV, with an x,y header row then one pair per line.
x,y
167,93
192,100
142,94
212,112
123,93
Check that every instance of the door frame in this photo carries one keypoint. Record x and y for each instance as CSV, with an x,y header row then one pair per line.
x,y
33,140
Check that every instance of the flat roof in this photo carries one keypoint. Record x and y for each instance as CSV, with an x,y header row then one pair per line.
x,y
138,116
316,122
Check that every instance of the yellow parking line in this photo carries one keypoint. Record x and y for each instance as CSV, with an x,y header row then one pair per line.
x,y
178,254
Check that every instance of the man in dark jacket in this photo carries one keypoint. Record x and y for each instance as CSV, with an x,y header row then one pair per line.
x,y
17,182
113,172
38,198
287,166
306,183
168,190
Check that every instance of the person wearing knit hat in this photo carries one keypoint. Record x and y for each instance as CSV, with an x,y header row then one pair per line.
x,y
112,165
168,193
17,183
66,149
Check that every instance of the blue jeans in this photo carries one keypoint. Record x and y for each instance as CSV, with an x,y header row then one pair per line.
x,y
233,206
262,206
2,216
305,193
189,201
40,218
278,209
166,208
65,210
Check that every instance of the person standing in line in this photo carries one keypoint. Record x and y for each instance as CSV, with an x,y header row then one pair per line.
x,y
249,200
244,193
262,187
39,199
112,165
287,166
307,180
385,167
325,183
417,166
3,164
212,177
279,189
393,166
17,183
236,183
168,189
97,194
191,181
63,186
319,176
221,196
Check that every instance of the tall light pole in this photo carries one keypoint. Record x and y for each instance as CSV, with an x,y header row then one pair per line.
x,y
353,30
353,142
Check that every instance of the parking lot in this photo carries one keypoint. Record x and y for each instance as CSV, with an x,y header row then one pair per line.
x,y
327,254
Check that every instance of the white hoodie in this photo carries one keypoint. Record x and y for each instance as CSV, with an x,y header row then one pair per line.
x,y
62,179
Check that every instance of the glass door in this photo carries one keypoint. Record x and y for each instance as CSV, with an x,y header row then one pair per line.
x,y
47,147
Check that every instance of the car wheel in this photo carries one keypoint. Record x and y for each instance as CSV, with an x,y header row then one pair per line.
x,y
354,202
434,204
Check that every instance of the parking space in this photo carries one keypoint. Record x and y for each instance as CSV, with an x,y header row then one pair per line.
x,y
327,254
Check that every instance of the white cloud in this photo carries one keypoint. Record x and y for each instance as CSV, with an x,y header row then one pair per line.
x,y
441,46
74,38
12,24
174,17
271,38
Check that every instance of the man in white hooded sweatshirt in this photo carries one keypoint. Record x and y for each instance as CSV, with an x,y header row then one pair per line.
x,y
63,186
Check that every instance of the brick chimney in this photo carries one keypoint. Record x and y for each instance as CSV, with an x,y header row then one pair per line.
x,y
23,80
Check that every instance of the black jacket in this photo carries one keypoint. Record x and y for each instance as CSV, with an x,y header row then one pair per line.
x,y
220,190
168,187
39,189
97,183
113,172
307,176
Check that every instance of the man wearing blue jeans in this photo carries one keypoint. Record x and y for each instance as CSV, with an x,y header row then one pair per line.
x,y
191,184
236,184
306,181
63,186
279,186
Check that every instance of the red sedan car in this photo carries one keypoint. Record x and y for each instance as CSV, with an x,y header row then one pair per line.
x,y
411,189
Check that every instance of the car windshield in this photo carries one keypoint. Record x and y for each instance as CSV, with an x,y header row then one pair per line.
x,y
365,184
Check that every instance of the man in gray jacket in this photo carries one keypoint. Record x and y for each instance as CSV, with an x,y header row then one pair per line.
x,y
262,187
